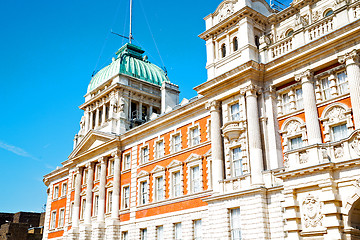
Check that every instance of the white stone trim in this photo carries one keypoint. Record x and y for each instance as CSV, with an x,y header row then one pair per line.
x,y
192,161
190,134
158,172
141,157
174,167
291,128
172,142
143,176
155,150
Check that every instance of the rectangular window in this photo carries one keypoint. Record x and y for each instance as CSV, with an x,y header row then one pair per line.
x,y
176,184
235,112
109,201
296,143
124,236
237,162
144,196
97,172
82,214
235,224
126,197
197,230
53,220
160,150
143,234
159,188
339,132
286,103
111,167
145,154
195,175
195,136
178,232
84,177
96,205
160,233
177,142
63,189
61,217
343,82
56,192
299,99
325,85
71,211
127,161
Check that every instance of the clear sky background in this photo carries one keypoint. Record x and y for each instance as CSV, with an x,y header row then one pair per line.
x,y
48,51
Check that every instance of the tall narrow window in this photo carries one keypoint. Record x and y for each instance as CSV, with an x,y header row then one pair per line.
x,y
109,201
145,154
143,234
195,136
325,86
223,50
296,143
299,99
100,116
82,214
235,112
339,132
237,162
197,230
178,231
126,197
196,181
96,205
159,188
286,103
144,196
235,224
56,192
343,83
177,142
160,233
176,184
63,189
61,217
71,211
127,161
235,44
53,220
160,150
124,236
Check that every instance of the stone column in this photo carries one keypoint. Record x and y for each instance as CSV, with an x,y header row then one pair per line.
x,y
97,117
91,118
85,230
87,120
74,232
103,114
254,135
311,113
351,61
217,154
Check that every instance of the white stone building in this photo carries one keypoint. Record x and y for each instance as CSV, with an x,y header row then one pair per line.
x,y
269,149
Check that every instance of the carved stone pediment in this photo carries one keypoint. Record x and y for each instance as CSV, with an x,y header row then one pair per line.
x,y
224,10
312,212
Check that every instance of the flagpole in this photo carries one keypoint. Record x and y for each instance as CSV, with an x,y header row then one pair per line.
x,y
130,32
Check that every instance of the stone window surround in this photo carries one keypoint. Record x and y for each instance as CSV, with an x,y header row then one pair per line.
x,y
123,196
97,172
190,134
141,157
208,129
343,117
109,188
52,222
174,167
226,106
95,213
193,160
56,186
292,90
124,159
110,170
286,136
229,146
61,224
63,194
232,174
71,209
82,207
156,142
143,176
158,172
172,142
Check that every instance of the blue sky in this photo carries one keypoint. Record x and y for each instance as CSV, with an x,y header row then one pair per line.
x,y
49,50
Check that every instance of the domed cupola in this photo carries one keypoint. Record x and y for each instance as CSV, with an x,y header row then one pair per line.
x,y
130,61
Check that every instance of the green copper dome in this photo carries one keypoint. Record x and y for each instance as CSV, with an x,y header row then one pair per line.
x,y
131,62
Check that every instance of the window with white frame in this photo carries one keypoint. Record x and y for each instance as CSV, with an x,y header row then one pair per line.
x,y
61,217
83,204
176,141
235,224
286,103
56,192
299,99
111,167
96,205
143,234
84,180
325,88
194,171
195,179
71,211
144,193
235,112
97,172
343,84
160,149
145,154
293,132
195,136
333,85
126,197
159,188
63,189
296,143
339,132
291,100
125,235
237,162
127,161
175,169
177,231
53,220
176,180
197,230
159,233
109,201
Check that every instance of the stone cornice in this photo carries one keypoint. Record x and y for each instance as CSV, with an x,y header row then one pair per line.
x,y
222,196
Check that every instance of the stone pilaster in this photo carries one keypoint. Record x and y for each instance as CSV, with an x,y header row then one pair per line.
x,y
87,120
254,134
97,117
351,61
91,118
85,230
74,232
311,113
291,215
217,154
103,119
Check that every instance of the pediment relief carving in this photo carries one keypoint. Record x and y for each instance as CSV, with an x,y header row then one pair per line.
x,y
158,168
83,193
143,174
109,184
224,10
193,157
96,189
174,163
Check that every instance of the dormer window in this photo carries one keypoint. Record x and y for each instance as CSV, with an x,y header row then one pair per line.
x,y
235,44
289,33
223,50
328,12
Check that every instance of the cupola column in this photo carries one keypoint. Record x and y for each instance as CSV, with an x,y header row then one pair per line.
x,y
216,145
311,113
351,61
254,134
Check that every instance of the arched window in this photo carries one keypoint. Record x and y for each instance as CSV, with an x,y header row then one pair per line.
x,y
289,33
223,50
328,12
235,44
257,41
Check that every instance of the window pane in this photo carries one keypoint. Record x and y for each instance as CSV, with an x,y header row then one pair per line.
x,y
235,224
296,143
299,99
177,184
286,103
160,188
143,234
237,162
159,233
340,132
195,136
197,230
343,83
178,233
325,84
196,179
235,114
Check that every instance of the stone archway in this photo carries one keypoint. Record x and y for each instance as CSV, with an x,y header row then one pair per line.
x,y
354,215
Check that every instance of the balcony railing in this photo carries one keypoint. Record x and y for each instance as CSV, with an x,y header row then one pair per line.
x,y
321,28
281,48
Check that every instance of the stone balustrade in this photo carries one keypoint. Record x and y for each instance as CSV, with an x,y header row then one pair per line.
x,y
320,28
282,47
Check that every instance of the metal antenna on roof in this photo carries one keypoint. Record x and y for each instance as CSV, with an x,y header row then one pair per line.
x,y
274,4
130,32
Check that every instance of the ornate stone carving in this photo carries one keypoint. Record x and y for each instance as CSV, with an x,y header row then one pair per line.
x,y
82,123
336,114
339,152
226,11
265,40
121,104
286,162
316,16
304,76
349,57
355,144
293,127
302,20
113,105
303,157
312,212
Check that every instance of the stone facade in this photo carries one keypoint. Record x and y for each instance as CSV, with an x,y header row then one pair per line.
x,y
269,149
